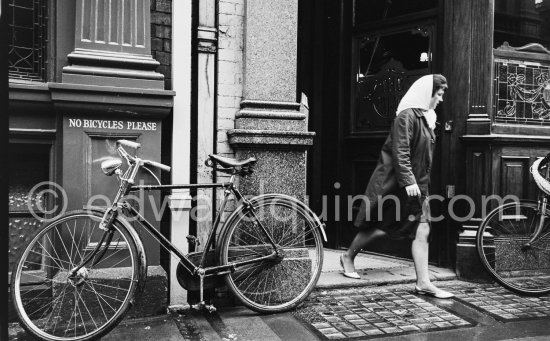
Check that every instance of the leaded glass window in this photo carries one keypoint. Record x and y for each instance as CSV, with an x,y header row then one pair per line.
x,y
28,39
521,82
520,92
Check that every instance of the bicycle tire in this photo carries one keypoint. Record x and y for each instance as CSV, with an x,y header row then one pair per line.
x,y
91,304
273,286
500,244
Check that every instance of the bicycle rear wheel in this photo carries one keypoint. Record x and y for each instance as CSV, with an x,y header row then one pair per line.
x,y
51,304
501,244
273,285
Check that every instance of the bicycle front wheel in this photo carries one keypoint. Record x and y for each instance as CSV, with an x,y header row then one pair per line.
x,y
53,304
502,246
278,285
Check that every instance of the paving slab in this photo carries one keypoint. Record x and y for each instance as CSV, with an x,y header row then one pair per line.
x,y
368,312
504,305
375,270
146,329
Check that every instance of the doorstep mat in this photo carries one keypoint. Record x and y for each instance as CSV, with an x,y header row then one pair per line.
x,y
369,313
504,305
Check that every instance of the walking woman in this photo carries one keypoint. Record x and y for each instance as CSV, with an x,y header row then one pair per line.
x,y
402,176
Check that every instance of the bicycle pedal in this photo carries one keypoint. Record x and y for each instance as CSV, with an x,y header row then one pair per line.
x,y
203,306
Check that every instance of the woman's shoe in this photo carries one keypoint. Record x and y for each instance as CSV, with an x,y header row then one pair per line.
x,y
440,294
348,274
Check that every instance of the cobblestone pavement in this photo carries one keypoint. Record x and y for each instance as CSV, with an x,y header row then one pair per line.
x,y
503,304
370,312
478,312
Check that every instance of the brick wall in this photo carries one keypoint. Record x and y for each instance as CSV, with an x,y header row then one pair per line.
x,y
230,76
161,38
230,68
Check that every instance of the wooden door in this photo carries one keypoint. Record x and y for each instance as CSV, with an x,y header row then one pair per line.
x,y
386,60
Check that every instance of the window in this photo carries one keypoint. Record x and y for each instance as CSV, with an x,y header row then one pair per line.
x,y
27,20
388,63
520,22
29,165
521,82
520,92
372,10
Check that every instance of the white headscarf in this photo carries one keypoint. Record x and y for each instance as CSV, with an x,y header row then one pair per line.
x,y
419,96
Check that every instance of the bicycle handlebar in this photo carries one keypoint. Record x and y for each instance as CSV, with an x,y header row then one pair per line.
x,y
157,165
129,144
130,158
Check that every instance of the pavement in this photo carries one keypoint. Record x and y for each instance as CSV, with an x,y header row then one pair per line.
x,y
381,304
375,270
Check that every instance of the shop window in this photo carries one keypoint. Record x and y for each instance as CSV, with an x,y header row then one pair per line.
x,y
28,36
29,165
521,22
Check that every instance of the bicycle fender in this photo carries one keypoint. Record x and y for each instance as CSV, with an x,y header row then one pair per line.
x,y
301,205
320,225
142,257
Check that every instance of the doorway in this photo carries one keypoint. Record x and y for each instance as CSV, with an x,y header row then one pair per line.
x,y
363,57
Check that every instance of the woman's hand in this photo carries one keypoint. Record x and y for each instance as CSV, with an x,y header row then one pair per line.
x,y
413,190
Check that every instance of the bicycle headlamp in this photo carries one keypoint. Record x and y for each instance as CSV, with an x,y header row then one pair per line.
x,y
110,166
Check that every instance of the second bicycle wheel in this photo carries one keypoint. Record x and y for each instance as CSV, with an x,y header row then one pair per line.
x,y
54,304
502,246
273,285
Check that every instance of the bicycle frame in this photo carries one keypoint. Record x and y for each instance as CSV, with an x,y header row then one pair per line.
x,y
127,186
189,266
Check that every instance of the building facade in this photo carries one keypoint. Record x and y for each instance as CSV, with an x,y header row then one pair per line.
x,y
83,74
357,60
307,87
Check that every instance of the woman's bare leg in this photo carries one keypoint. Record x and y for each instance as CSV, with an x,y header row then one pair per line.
x,y
361,240
420,250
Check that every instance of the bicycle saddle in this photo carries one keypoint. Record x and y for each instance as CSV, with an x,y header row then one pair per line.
x,y
228,162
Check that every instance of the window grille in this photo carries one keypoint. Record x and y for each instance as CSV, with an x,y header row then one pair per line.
x,y
28,37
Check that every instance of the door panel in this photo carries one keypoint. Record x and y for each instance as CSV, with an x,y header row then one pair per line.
x,y
385,63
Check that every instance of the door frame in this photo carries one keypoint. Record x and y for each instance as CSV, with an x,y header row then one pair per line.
x,y
324,75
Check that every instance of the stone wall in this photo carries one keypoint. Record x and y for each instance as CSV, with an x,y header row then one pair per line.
x,y
161,38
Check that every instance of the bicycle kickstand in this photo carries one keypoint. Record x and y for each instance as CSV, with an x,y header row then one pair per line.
x,y
202,305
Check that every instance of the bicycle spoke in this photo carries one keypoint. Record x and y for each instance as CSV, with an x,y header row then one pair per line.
x,y
112,253
90,314
48,254
98,296
65,248
92,299
107,286
60,307
504,253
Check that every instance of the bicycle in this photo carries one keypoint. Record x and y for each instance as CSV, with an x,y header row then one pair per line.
x,y
513,241
91,263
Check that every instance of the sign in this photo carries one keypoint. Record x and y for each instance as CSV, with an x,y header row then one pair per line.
x,y
112,124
